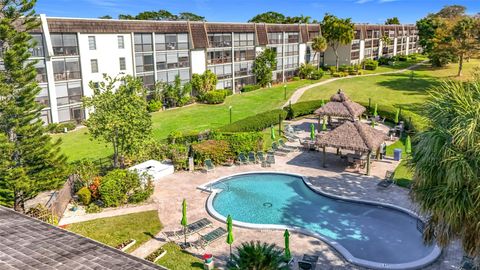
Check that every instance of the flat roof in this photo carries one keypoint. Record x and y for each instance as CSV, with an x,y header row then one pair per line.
x,y
28,243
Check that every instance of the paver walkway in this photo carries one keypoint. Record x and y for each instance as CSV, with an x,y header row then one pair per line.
x,y
299,92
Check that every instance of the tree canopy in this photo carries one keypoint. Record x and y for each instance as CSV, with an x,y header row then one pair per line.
x,y
264,65
30,162
119,114
393,20
275,17
449,36
446,164
337,32
162,15
319,45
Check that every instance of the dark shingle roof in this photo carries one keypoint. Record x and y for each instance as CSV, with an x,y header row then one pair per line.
x,y
27,243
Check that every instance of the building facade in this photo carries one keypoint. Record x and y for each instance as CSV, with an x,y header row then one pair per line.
x,y
72,52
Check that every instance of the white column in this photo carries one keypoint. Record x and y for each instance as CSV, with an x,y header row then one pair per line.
x,y
380,48
283,56
52,95
362,50
408,46
233,63
395,40
302,51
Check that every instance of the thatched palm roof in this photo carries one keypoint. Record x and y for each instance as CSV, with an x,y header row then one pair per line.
x,y
346,109
354,136
340,96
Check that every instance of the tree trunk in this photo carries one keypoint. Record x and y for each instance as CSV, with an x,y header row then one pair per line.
x,y
460,65
115,150
18,202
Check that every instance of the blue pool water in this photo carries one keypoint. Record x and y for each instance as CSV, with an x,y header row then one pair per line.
x,y
369,232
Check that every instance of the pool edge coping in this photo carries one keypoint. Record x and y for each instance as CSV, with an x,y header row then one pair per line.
x,y
417,264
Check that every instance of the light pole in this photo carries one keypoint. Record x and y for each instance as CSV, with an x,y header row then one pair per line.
x,y
285,92
230,109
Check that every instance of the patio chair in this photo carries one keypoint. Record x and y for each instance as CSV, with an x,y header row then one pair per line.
x,y
388,181
209,165
191,229
242,159
278,151
261,159
283,145
308,262
209,238
251,157
270,159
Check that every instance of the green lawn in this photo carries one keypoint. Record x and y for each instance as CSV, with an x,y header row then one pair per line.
x,y
113,231
178,259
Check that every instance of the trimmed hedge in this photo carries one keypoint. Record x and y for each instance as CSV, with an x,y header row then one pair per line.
x,y
215,96
240,141
60,127
84,196
218,151
154,105
256,122
250,88
302,108
370,64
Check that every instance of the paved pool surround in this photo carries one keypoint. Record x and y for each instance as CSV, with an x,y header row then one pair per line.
x,y
415,264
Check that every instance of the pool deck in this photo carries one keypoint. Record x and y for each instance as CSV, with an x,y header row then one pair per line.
x,y
336,179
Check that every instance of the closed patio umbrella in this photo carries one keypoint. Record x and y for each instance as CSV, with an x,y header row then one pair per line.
x,y
324,125
272,133
184,221
375,113
312,131
408,145
286,235
230,233
397,116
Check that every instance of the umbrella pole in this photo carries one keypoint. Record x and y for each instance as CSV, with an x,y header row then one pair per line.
x,y
368,161
319,126
324,156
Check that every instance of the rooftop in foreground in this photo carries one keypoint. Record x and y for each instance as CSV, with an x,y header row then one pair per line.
x,y
27,243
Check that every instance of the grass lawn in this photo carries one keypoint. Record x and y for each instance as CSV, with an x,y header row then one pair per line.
x,y
178,259
113,231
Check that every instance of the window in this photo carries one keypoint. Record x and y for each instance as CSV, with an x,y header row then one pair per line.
x,y
66,69
45,116
71,113
92,44
144,62
243,39
219,57
222,72
42,96
64,44
355,44
243,69
143,42
244,54
275,38
68,93
123,65
94,65
38,49
41,71
121,42
291,50
220,40
292,37
148,80
171,41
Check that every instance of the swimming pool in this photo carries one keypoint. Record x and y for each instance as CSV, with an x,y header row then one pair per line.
x,y
369,234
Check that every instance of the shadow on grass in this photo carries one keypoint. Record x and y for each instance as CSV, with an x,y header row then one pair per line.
x,y
417,85
197,265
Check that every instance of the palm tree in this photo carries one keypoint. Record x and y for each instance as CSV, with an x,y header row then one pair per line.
x,y
258,256
446,164
319,45
385,41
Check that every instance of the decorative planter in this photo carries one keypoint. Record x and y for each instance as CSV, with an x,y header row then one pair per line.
x,y
126,245
156,255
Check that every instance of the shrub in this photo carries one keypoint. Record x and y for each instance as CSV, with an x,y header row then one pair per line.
x,y
256,122
384,60
241,141
154,105
154,255
250,88
343,68
332,69
42,213
296,78
413,56
370,64
215,96
340,74
402,58
304,108
305,71
93,208
178,154
317,74
86,171
216,150
142,194
117,186
60,127
84,196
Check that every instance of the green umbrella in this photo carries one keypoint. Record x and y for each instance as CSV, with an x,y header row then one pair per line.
x,y
184,221
375,111
286,235
373,123
230,233
408,145
324,125
322,103
312,131
397,116
272,133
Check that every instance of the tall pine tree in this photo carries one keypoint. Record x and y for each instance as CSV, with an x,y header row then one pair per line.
x,y
30,162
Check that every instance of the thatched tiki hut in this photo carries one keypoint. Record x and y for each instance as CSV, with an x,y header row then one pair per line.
x,y
354,136
340,106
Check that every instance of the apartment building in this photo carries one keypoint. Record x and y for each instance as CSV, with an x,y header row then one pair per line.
x,y
73,52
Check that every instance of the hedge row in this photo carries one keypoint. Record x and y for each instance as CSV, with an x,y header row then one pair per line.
x,y
256,122
302,108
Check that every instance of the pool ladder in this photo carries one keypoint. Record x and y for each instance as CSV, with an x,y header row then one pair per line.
x,y
226,187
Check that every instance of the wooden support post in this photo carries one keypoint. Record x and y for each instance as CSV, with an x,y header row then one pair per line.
x,y
368,161
319,128
377,153
324,157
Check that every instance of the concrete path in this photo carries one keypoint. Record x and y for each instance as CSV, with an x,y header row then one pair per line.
x,y
108,213
299,92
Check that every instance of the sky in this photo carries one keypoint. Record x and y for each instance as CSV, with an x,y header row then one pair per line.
x,y
361,11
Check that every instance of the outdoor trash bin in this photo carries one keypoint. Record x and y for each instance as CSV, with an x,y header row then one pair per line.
x,y
208,261
397,154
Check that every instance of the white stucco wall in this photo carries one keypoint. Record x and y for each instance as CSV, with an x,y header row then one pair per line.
x,y
108,56
198,60
343,53
302,51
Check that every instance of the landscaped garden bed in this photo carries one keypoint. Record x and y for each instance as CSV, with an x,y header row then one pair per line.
x,y
126,245
156,255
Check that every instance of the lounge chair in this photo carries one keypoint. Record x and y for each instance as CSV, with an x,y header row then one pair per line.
x,y
283,145
251,157
191,229
270,159
261,159
242,159
209,238
308,262
209,165
278,151
388,181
